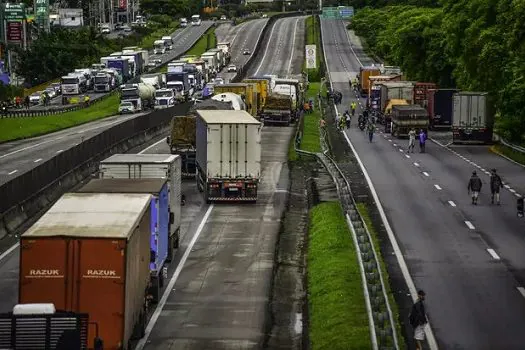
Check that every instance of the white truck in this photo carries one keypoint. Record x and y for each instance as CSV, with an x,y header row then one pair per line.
x,y
228,155
221,60
472,117
141,95
73,84
196,20
203,69
155,79
159,47
211,62
235,100
103,82
168,40
225,47
183,22
165,166
164,98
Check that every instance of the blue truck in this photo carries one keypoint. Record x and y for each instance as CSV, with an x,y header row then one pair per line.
x,y
159,224
123,66
179,82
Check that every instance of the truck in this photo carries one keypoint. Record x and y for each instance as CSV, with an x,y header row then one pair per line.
x,y
159,221
104,82
203,69
165,98
176,66
247,91
183,22
196,20
180,84
292,88
141,95
221,57
99,264
116,76
168,40
159,47
229,97
400,90
194,76
73,85
472,117
135,60
277,110
88,74
385,116
263,89
182,142
226,49
421,93
228,155
212,63
154,79
406,117
439,108
364,74
152,166
378,79
123,66
32,326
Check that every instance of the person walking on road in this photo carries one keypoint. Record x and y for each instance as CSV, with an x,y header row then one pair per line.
x,y
418,319
371,129
474,187
353,106
422,141
495,185
348,121
411,140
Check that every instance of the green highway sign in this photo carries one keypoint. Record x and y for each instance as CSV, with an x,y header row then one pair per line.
x,y
14,12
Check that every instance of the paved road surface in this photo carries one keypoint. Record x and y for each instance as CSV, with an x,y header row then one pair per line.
x,y
282,54
243,36
473,298
183,40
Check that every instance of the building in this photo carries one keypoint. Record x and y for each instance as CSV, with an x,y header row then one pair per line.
x,y
70,17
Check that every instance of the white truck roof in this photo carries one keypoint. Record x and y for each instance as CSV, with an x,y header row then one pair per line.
x,y
140,158
93,215
227,117
34,309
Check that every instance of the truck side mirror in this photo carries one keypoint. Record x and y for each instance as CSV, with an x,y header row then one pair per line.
x,y
168,140
520,207
172,218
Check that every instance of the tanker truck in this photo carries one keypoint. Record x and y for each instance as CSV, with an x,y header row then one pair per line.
x,y
229,97
141,95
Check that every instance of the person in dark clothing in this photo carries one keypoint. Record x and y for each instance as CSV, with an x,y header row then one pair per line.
x,y
422,141
418,319
474,187
495,185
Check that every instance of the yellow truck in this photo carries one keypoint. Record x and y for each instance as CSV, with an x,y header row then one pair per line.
x,y
246,90
364,74
189,58
263,90
387,114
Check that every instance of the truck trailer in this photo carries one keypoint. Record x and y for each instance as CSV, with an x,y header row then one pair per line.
x,y
141,95
472,117
228,156
406,117
364,74
90,253
160,218
151,166
439,108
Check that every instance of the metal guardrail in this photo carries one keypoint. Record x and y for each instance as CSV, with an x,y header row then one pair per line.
x,y
513,146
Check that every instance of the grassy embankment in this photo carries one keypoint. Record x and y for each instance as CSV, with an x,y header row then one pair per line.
x,y
18,128
337,309
509,153
206,42
365,214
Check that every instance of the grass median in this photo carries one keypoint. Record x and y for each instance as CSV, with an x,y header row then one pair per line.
x,y
365,214
337,309
508,152
25,127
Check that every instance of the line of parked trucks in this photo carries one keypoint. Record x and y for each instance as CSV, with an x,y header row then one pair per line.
x,y
112,239
402,105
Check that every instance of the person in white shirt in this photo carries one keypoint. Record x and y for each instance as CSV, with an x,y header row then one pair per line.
x,y
411,140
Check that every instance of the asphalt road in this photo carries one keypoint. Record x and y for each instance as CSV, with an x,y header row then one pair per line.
x,y
243,36
469,259
219,300
183,40
283,53
17,157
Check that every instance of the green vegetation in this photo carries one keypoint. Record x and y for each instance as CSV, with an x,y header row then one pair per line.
x,y
310,140
313,37
365,214
509,153
337,311
18,128
475,45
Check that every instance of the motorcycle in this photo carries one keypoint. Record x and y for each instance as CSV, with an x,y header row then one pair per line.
x,y
362,125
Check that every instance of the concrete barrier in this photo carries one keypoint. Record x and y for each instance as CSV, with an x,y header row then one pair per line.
x,y
30,194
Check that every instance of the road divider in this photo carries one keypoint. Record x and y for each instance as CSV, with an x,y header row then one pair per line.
x,y
27,195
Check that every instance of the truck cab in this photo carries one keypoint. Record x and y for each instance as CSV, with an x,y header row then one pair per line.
x,y
196,20
159,47
164,98
103,82
73,84
183,22
226,49
168,41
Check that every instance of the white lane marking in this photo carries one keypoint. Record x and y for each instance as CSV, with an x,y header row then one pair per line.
x,y
12,172
171,284
38,160
469,225
265,50
298,326
406,155
9,251
425,173
522,291
293,47
60,150
452,204
389,140
506,186
151,146
517,195
438,187
395,144
416,164
512,190
29,147
400,150
493,254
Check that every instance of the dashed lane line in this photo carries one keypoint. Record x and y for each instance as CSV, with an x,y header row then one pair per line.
x,y
37,160
493,253
12,172
521,290
438,187
469,225
416,164
452,204
425,173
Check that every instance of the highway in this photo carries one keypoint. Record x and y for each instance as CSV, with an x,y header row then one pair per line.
x,y
183,40
469,259
17,157
219,298
242,36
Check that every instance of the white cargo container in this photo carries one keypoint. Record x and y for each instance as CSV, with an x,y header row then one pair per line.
x,y
472,118
398,90
228,155
152,166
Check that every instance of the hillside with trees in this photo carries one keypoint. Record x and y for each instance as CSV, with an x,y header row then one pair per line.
x,y
474,45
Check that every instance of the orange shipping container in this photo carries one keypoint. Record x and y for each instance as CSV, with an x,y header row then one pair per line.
x,y
90,253
364,74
